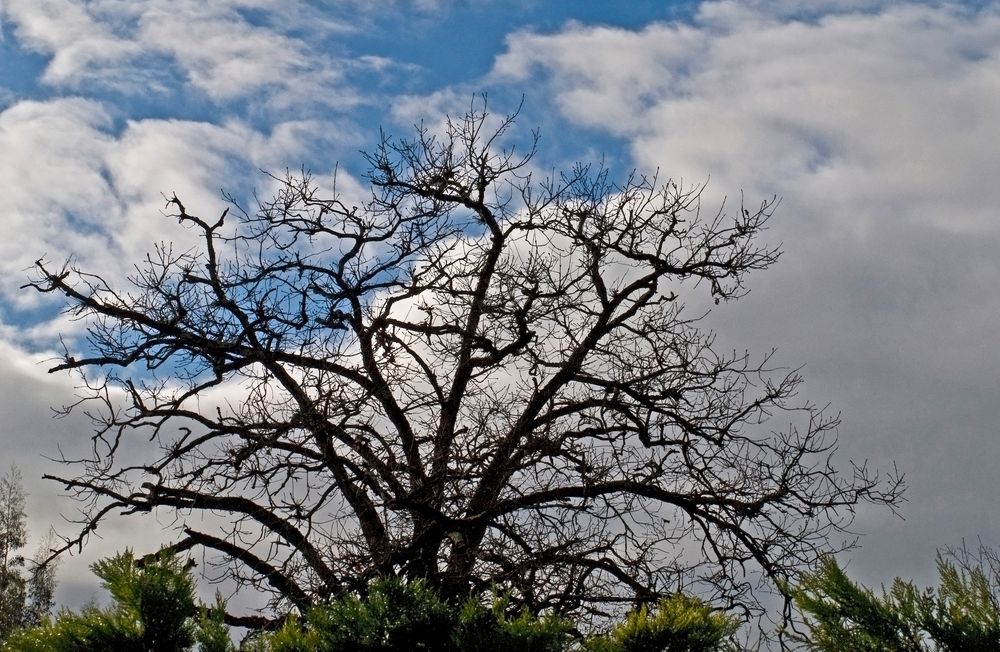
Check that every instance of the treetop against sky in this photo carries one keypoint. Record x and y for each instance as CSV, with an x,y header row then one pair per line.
x,y
871,121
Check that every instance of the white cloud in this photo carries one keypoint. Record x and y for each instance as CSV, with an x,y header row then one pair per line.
x,y
136,47
78,41
876,122
57,196
228,57
876,128
886,104
197,162
603,76
76,188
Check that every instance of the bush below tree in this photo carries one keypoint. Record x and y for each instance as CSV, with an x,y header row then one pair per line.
x,y
153,607
961,615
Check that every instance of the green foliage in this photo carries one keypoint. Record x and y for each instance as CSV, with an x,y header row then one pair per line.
x,y
292,636
90,630
680,624
159,596
26,588
490,629
153,608
399,616
396,616
845,616
13,537
212,633
962,614
40,589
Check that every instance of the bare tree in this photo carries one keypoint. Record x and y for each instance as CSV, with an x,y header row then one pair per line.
x,y
474,376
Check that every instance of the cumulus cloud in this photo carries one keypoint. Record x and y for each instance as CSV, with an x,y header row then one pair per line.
x,y
78,187
57,193
79,42
876,122
887,104
873,121
227,56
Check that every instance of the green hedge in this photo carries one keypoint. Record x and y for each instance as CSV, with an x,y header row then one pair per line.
x,y
153,608
400,617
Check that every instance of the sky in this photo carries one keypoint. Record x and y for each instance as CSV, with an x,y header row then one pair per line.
x,y
876,123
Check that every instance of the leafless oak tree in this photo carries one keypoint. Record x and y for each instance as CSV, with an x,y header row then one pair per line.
x,y
475,376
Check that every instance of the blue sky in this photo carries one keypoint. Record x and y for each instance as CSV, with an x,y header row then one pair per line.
x,y
875,122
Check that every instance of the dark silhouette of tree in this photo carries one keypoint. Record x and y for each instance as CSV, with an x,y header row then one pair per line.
x,y
474,376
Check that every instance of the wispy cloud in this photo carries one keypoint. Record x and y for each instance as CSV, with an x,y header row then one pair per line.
x,y
227,50
83,46
57,193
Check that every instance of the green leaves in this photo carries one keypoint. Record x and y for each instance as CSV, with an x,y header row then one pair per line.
x,y
961,615
157,598
964,615
153,608
493,629
13,537
847,617
680,623
397,616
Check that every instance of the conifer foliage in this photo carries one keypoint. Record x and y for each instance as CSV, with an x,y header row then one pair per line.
x,y
961,615
153,608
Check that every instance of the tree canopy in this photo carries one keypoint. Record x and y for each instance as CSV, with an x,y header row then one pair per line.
x,y
13,537
474,376
153,607
26,585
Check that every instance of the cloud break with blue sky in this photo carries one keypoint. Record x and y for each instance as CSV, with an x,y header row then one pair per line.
x,y
877,123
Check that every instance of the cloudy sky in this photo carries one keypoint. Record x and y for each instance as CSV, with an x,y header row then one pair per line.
x,y
877,124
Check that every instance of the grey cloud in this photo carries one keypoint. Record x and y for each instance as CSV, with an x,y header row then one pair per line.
x,y
30,437
878,129
29,432
876,125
